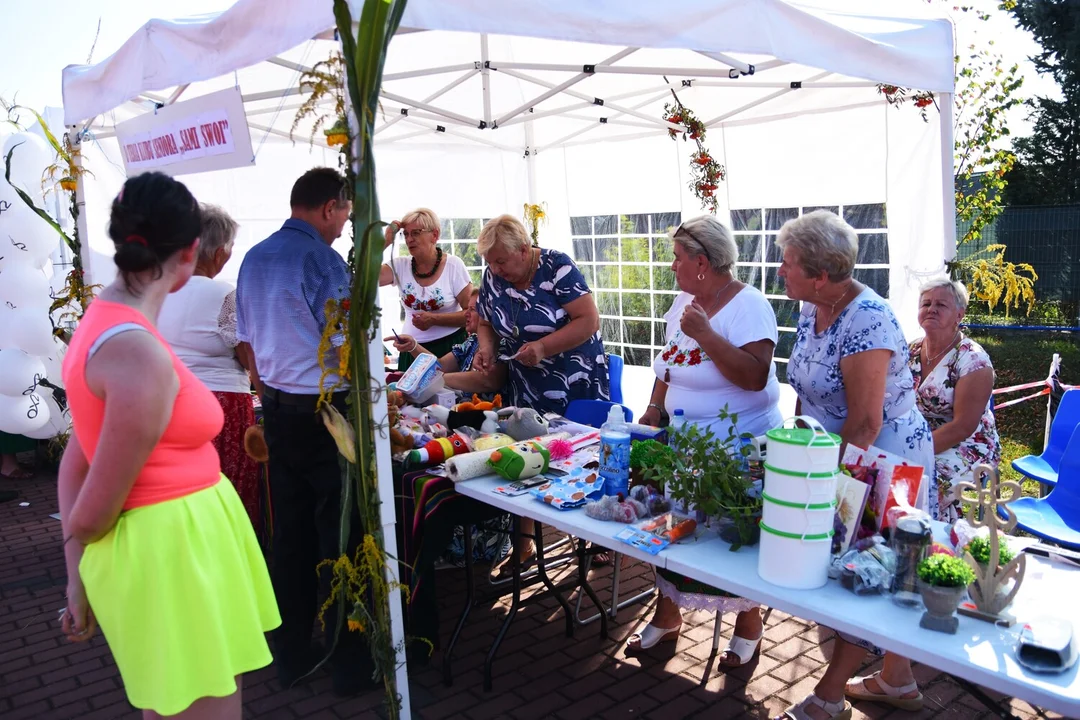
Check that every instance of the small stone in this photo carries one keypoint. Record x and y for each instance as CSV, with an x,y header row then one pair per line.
x,y
24,504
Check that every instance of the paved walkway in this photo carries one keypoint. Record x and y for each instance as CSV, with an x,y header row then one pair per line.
x,y
540,673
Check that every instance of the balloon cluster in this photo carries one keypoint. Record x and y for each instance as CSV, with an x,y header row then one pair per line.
x,y
29,352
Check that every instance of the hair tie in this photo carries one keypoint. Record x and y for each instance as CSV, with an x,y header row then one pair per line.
x,y
136,239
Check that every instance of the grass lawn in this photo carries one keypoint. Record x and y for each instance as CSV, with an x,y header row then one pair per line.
x,y
1022,357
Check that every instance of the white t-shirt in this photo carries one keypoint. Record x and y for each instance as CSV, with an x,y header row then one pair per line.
x,y
439,297
199,321
694,382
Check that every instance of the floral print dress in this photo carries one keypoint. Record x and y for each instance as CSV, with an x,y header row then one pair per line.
x,y
935,398
814,372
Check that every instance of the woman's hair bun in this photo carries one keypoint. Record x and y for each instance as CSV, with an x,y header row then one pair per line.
x,y
153,218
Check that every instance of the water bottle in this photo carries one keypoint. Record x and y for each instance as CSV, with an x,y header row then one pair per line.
x,y
678,420
615,453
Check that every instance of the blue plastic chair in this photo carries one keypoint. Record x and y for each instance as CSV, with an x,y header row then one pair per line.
x,y
1055,517
615,368
1044,468
593,412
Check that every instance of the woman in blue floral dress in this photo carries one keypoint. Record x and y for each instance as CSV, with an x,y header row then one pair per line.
x,y
849,368
536,309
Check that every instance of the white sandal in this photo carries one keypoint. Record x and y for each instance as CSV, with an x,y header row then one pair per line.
x,y
652,636
856,690
837,710
742,648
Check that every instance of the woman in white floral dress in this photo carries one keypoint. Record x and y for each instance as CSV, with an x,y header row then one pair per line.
x,y
954,381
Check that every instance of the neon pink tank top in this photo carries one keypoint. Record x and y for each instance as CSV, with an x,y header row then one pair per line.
x,y
184,460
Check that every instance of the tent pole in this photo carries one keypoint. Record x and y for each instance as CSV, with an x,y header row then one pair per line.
x,y
530,163
948,183
75,138
428,71
762,101
433,96
471,122
485,78
561,142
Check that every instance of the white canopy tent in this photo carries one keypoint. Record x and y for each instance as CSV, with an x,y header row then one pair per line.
x,y
489,104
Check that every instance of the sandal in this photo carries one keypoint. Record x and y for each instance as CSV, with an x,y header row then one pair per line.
x,y
837,710
652,636
506,569
742,648
19,473
856,690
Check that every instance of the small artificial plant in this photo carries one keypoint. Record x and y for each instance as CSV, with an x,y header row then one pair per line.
x,y
979,547
947,571
535,215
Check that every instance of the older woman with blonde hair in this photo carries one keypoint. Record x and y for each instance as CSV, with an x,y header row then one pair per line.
x,y
537,308
718,353
849,368
199,322
954,382
433,285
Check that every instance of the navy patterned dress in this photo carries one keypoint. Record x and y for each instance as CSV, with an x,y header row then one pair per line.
x,y
580,373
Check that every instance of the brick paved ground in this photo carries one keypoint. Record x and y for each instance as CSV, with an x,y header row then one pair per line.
x,y
539,673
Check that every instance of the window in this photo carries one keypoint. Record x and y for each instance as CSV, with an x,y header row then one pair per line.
x,y
458,237
626,260
755,231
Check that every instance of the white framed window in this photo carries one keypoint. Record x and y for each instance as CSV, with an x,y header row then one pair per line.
x,y
626,260
755,231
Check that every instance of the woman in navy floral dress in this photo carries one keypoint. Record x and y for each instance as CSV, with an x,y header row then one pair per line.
x,y
536,308
849,368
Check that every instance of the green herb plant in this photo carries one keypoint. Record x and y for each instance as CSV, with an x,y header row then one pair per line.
x,y
945,571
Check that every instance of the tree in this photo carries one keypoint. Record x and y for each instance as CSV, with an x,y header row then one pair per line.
x,y
1049,168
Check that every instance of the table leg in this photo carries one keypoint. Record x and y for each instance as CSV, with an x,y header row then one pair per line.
x,y
541,570
448,676
976,692
514,603
583,583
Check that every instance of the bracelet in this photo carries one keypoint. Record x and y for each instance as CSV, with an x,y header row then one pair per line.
x,y
415,345
654,405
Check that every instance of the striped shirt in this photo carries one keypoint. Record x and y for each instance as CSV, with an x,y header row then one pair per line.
x,y
281,295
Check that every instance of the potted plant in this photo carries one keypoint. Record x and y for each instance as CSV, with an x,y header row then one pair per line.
x,y
645,454
943,580
1006,574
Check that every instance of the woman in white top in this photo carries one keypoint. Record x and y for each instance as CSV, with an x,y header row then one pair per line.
x,y
199,322
719,352
434,287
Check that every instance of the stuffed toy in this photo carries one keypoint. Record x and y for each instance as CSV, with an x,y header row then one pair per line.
x,y
523,424
477,404
486,421
438,450
255,444
492,442
400,442
617,509
520,461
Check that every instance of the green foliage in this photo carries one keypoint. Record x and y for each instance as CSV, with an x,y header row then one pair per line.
x,y
992,279
945,571
646,453
979,548
706,470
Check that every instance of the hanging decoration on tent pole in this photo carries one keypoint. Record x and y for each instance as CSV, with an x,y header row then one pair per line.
x,y
325,82
706,173
897,96
534,217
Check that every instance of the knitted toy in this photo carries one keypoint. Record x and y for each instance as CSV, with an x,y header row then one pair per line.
x,y
520,461
615,508
438,450
492,442
478,404
523,424
485,421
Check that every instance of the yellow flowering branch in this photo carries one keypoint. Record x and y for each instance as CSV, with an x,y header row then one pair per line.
x,y
535,216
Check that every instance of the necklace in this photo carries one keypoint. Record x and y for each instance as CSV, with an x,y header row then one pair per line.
x,y
423,276
929,363
832,308
679,332
518,304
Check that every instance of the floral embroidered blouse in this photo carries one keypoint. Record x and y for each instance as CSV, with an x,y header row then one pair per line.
x,y
935,398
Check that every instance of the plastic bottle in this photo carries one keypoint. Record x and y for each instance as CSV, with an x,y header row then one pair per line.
x,y
678,420
615,453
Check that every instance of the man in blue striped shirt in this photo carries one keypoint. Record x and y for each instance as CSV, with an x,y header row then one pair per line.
x,y
281,296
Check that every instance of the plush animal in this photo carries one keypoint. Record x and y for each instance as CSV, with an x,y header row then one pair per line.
x,y
438,450
255,444
520,461
486,421
477,404
615,508
492,442
524,424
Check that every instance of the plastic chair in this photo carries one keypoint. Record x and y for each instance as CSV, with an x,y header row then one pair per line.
x,y
1055,517
593,412
615,369
1044,467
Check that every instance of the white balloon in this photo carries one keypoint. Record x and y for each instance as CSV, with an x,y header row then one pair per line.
x,y
23,233
19,372
54,362
25,287
23,414
29,159
29,330
59,422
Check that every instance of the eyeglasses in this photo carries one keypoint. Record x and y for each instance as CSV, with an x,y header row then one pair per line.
x,y
414,234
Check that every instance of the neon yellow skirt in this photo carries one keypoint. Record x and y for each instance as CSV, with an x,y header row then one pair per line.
x,y
182,595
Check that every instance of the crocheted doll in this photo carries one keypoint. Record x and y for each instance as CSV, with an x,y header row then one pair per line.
x,y
520,461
